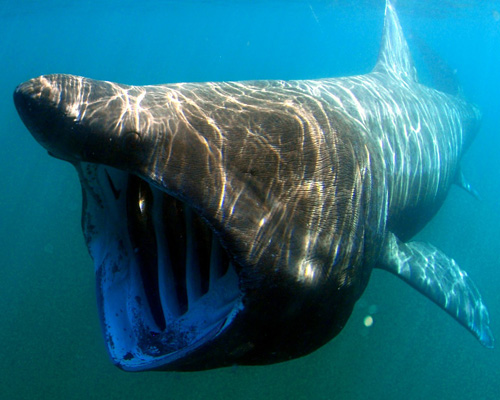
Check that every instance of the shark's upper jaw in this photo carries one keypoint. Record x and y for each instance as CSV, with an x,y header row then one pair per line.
x,y
165,285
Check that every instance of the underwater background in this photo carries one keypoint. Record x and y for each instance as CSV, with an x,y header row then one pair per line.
x,y
50,339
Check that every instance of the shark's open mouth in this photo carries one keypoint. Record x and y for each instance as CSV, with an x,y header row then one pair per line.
x,y
165,284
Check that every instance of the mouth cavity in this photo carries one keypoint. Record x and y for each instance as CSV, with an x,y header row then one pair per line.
x,y
166,286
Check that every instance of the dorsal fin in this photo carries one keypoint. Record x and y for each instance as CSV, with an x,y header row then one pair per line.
x,y
394,57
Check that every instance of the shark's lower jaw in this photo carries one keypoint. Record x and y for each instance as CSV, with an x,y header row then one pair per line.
x,y
165,285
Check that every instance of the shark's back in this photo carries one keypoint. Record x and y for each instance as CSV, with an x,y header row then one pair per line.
x,y
419,133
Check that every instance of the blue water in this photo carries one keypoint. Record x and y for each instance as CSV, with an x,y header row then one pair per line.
x,y
50,339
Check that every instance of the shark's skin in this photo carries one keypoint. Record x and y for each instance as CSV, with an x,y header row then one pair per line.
x,y
239,222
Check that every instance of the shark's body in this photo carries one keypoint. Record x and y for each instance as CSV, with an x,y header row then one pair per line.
x,y
239,222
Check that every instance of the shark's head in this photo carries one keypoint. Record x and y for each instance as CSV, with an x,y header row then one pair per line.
x,y
75,119
215,242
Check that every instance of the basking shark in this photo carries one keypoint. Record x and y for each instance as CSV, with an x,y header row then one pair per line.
x,y
239,222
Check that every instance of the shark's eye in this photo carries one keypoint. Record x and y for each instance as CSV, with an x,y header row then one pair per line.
x,y
131,141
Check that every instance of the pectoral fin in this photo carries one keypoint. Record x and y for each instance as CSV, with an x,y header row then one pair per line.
x,y
462,182
439,278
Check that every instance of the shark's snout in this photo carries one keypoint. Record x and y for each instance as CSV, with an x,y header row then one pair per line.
x,y
43,107
33,103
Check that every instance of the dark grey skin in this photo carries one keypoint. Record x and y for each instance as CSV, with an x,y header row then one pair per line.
x,y
239,222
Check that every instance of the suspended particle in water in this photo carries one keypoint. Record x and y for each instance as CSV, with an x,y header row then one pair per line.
x,y
368,321
373,309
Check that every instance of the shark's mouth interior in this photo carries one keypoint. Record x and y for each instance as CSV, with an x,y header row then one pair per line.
x,y
165,284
